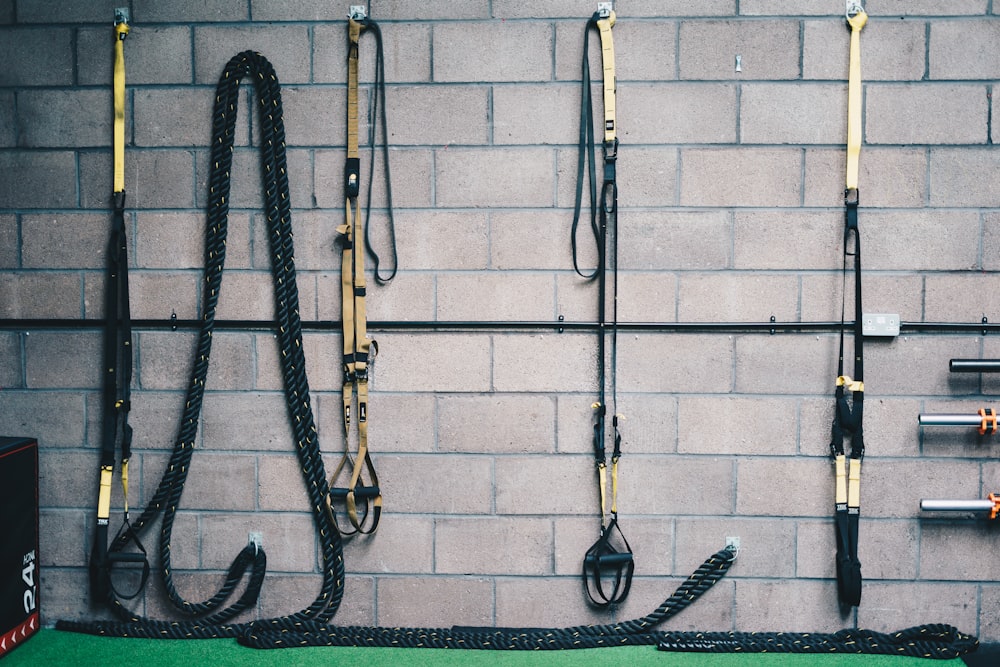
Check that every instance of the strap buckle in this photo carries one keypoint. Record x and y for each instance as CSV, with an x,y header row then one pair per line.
x,y
851,197
849,384
611,150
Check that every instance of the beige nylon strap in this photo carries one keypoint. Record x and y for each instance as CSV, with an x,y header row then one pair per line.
x,y
604,25
857,22
357,345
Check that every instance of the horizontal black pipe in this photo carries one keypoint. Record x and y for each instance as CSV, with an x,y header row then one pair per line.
x,y
974,366
28,324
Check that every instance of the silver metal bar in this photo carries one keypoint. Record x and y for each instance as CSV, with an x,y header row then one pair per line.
x,y
956,505
950,420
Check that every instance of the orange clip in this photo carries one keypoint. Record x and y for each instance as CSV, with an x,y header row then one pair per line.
x,y
995,499
989,421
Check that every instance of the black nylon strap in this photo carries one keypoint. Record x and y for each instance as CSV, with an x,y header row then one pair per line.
x,y
849,418
609,561
117,433
379,110
117,402
587,155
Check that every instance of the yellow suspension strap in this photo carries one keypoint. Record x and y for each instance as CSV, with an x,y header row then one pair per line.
x,y
609,561
116,433
362,500
848,415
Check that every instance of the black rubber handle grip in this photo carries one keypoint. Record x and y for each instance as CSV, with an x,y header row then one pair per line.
x,y
608,560
359,492
126,557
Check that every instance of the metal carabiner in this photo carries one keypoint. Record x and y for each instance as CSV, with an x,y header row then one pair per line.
x,y
852,9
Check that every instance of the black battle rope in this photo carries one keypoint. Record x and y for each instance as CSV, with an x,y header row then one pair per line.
x,y
213,621
635,632
604,562
849,415
942,642
116,432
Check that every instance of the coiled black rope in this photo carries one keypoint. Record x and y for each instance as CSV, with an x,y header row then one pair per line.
x,y
212,618
925,641
637,632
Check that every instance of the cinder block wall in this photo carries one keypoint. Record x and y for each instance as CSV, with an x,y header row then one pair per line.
x,y
731,211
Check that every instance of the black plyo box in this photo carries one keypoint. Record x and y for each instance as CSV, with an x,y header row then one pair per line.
x,y
19,580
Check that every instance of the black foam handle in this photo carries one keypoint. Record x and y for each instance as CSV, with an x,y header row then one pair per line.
x,y
359,492
608,560
126,557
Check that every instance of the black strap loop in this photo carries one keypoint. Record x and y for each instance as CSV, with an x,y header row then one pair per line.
x,y
127,535
587,153
848,420
602,561
379,111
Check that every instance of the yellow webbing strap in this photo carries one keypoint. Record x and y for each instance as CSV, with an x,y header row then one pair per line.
x,y
840,471
857,22
602,481
125,487
604,25
851,385
357,345
104,494
854,483
118,146
614,486
121,30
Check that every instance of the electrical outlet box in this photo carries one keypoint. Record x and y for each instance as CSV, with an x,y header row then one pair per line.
x,y
880,324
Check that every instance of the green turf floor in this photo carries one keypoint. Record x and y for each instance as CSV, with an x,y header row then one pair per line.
x,y
54,647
